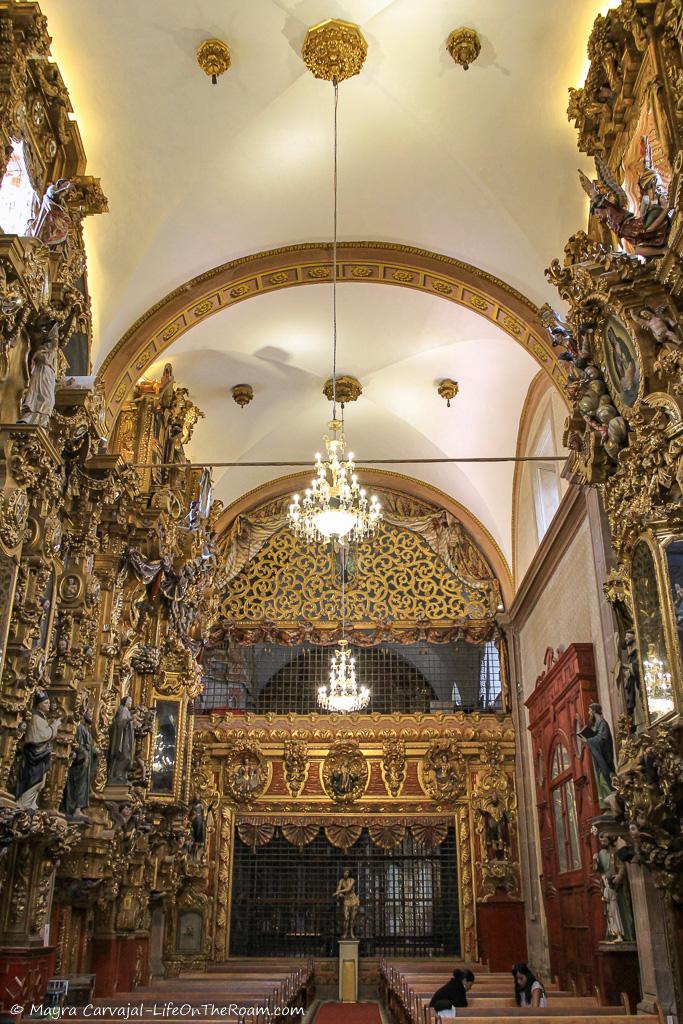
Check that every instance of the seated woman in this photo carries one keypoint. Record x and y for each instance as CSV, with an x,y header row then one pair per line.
x,y
528,989
453,993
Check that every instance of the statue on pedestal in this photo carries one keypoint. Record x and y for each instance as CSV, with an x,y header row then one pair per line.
x,y
77,790
39,401
121,751
598,736
53,222
615,893
346,893
36,753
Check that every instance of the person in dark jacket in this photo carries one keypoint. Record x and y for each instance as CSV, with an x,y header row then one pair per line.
x,y
454,992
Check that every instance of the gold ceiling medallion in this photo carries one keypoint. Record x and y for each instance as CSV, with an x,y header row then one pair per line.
x,y
334,49
448,389
213,57
464,46
349,389
242,394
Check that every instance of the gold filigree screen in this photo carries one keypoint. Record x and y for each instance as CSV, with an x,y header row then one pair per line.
x,y
397,577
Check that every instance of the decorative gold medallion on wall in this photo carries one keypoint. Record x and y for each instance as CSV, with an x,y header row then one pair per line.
x,y
334,49
345,773
444,772
245,775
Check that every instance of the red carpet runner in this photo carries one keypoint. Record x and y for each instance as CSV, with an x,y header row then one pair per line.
x,y
348,1013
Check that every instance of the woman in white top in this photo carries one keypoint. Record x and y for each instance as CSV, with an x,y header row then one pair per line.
x,y
528,989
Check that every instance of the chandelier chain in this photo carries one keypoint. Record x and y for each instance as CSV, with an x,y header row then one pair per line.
x,y
335,83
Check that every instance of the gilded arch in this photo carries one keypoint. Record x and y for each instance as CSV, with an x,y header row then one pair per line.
x,y
310,263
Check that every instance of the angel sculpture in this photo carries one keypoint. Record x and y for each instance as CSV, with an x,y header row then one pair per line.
x,y
649,230
658,321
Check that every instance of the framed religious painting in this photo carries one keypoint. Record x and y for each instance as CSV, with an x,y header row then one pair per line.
x,y
623,365
165,776
651,605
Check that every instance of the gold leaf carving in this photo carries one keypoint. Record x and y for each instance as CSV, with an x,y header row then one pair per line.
x,y
343,835
429,833
345,773
300,834
203,307
443,287
254,832
387,835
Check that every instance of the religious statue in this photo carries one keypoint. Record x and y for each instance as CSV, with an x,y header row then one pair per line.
x,y
39,401
121,751
598,736
36,753
347,895
53,222
647,232
496,828
659,323
615,893
198,828
77,791
345,773
632,677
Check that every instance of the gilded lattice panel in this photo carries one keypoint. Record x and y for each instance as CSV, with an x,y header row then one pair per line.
x,y
394,577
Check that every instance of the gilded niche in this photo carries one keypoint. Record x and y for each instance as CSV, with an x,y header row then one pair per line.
x,y
444,772
345,773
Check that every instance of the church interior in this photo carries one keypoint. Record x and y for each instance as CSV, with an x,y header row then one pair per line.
x,y
287,730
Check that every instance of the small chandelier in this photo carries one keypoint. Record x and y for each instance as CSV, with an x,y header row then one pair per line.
x,y
334,506
343,693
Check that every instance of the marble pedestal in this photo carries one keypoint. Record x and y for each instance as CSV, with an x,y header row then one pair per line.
x,y
348,970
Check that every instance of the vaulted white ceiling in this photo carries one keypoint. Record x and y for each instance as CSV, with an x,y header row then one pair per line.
x,y
479,165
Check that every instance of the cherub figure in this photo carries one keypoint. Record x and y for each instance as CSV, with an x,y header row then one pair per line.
x,y
658,322
648,231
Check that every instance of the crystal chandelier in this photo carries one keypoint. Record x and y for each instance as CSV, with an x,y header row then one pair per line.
x,y
334,506
343,693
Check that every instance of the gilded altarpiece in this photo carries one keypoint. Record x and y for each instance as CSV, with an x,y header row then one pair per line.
x,y
303,776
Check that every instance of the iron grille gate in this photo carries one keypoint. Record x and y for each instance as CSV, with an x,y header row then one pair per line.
x,y
282,901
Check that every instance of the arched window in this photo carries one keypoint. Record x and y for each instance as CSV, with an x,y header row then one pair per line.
x,y
545,478
17,197
564,810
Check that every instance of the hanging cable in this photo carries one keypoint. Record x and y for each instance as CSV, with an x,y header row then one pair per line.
x,y
335,83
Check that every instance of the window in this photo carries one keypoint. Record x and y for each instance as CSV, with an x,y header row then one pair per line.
x,y
546,495
17,198
564,811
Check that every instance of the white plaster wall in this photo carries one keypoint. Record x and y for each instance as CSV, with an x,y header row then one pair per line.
x,y
566,612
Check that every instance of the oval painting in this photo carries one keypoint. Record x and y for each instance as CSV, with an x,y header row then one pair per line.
x,y
622,362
